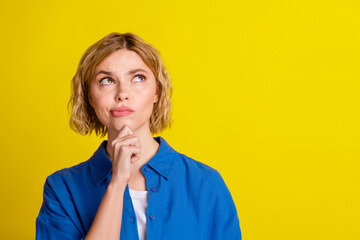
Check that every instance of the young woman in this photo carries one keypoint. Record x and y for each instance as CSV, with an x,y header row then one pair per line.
x,y
134,186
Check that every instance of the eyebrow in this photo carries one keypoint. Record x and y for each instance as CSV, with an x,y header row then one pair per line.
x,y
129,72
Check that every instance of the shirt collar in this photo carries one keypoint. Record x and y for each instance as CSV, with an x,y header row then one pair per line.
x,y
101,165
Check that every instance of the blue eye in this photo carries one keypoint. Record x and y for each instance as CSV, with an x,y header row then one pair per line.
x,y
106,78
141,77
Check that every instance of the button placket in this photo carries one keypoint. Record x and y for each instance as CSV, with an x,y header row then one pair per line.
x,y
152,186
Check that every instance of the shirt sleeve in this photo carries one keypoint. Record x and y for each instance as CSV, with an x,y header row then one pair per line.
x,y
223,214
52,222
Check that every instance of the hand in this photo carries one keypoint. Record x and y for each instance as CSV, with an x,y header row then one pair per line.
x,y
124,152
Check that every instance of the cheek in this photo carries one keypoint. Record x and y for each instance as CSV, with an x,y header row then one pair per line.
x,y
98,100
147,99
100,105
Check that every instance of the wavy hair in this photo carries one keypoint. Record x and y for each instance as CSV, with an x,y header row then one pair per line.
x,y
83,118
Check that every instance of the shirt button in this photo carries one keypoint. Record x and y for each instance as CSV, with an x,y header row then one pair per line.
x,y
154,189
147,169
130,219
152,217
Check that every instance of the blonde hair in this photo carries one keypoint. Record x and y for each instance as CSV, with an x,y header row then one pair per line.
x,y
83,118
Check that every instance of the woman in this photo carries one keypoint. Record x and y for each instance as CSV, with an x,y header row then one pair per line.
x,y
134,186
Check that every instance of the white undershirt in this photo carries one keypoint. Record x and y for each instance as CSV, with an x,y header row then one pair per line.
x,y
140,201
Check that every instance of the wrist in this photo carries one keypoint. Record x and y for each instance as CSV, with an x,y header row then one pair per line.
x,y
118,184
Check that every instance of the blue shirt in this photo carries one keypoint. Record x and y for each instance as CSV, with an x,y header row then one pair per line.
x,y
187,199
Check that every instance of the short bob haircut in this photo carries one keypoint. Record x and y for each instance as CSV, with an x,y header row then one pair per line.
x,y
83,118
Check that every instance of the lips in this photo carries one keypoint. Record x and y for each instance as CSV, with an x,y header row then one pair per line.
x,y
121,111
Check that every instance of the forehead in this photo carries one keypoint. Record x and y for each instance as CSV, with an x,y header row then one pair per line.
x,y
122,59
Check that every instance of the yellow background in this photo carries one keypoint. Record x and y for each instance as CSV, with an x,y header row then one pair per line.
x,y
266,92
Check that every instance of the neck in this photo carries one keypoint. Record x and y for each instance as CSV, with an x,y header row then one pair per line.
x,y
149,146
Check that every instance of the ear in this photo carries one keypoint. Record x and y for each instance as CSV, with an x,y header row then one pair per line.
x,y
90,99
156,98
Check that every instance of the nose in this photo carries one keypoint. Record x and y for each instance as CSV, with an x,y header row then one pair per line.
x,y
122,94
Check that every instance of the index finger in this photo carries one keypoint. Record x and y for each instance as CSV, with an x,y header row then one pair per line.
x,y
124,131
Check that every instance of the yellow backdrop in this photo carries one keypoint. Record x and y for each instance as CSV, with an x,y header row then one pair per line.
x,y
266,92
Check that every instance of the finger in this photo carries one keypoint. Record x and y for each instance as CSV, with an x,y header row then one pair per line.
x,y
134,151
134,159
129,129
131,152
131,140
136,140
135,154
124,131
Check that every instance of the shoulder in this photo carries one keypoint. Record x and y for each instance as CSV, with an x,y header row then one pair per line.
x,y
198,169
205,180
68,175
208,181
191,162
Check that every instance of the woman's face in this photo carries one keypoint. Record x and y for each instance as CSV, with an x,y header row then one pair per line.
x,y
123,79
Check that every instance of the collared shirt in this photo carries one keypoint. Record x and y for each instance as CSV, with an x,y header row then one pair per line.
x,y
186,199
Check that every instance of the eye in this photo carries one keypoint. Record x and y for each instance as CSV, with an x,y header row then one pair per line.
x,y
141,77
110,80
